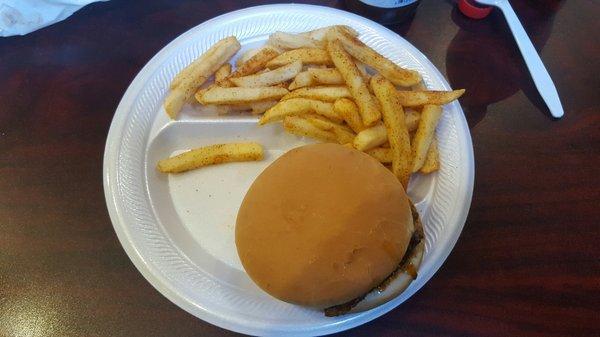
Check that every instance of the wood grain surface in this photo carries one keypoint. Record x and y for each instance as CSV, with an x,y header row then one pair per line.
x,y
526,264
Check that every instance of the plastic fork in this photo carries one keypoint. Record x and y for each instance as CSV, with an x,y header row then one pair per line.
x,y
536,67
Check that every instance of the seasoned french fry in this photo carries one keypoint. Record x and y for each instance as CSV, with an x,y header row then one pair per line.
x,y
394,120
343,134
362,68
301,127
418,98
223,72
346,30
412,118
303,79
305,55
424,136
219,95
211,54
262,71
211,109
210,155
329,76
327,94
382,154
201,92
320,34
419,87
205,86
246,56
346,109
186,83
367,106
367,55
284,85
317,34
432,161
370,138
288,41
222,109
258,108
315,76
306,67
325,123
269,78
299,106
254,64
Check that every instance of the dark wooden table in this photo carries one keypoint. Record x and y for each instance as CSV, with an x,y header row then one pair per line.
x,y
527,262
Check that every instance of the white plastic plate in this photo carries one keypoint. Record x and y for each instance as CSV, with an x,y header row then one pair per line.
x,y
179,229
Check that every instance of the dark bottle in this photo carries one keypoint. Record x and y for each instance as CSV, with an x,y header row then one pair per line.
x,y
384,11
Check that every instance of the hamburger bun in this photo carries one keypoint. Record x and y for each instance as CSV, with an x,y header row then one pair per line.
x,y
324,225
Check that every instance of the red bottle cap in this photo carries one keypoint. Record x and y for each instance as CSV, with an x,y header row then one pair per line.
x,y
468,8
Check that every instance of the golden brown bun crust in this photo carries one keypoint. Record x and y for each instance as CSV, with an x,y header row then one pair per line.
x,y
322,225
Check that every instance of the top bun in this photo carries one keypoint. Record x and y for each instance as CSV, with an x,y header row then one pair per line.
x,y
323,225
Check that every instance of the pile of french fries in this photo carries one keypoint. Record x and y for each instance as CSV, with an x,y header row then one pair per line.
x,y
325,84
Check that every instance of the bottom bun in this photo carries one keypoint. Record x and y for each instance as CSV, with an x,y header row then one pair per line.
x,y
396,283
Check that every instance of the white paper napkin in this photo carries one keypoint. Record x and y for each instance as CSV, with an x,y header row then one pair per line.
x,y
19,17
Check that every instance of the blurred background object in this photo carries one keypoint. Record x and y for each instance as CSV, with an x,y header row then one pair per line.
x,y
384,11
19,17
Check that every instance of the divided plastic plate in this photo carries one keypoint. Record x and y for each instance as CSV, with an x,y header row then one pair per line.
x,y
179,229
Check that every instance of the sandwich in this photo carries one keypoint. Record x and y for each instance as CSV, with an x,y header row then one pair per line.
x,y
329,227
